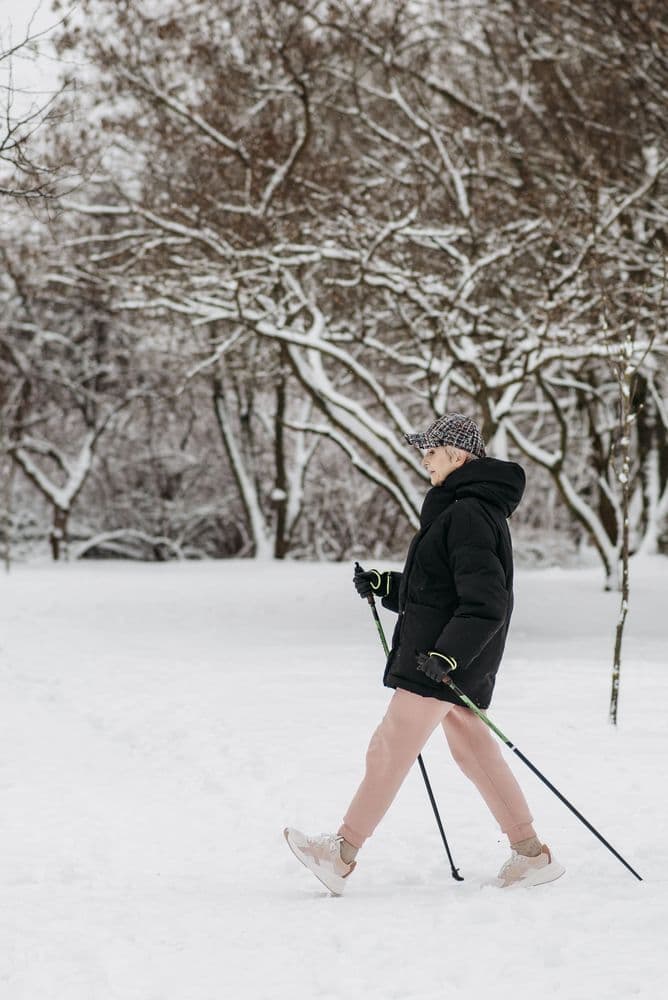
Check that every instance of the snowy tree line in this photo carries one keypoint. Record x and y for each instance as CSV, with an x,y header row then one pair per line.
x,y
276,235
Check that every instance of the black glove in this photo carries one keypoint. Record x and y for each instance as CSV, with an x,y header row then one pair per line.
x,y
436,665
369,582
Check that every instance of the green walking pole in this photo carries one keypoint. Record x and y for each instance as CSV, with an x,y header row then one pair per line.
x,y
454,871
562,798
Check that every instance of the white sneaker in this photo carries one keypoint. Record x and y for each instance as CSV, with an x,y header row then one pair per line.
x,y
522,871
322,856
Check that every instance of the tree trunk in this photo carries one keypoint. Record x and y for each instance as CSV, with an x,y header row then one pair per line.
x,y
7,544
58,535
624,603
625,372
262,547
280,494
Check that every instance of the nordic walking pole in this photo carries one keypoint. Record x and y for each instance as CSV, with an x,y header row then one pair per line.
x,y
423,769
504,739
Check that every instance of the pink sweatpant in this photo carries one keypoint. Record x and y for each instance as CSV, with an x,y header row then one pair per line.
x,y
407,725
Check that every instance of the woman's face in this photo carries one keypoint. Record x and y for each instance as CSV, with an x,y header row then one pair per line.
x,y
440,462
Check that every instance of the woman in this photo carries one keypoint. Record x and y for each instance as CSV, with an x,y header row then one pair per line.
x,y
454,599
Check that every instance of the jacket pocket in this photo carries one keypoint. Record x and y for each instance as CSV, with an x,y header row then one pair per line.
x,y
421,627
424,624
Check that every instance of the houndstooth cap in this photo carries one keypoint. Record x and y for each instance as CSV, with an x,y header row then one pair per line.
x,y
454,429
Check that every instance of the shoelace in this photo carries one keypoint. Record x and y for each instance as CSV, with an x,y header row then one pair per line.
x,y
509,863
325,840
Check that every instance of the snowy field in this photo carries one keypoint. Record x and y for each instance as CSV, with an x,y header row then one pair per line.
x,y
161,724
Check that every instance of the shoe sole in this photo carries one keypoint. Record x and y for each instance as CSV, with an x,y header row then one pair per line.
x,y
337,883
537,876
540,876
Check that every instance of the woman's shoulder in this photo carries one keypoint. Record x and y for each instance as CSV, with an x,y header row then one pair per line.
x,y
472,521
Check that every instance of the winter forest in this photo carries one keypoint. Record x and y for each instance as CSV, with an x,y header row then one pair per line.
x,y
247,244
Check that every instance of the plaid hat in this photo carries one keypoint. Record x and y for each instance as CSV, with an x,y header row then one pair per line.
x,y
454,429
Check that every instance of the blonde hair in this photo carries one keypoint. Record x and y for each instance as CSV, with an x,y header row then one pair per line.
x,y
454,453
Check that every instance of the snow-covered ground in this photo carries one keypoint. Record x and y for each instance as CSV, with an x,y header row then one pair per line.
x,y
160,725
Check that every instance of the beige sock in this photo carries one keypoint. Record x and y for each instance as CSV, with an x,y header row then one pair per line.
x,y
348,852
529,848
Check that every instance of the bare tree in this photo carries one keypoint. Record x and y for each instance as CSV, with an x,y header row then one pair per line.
x,y
26,169
67,367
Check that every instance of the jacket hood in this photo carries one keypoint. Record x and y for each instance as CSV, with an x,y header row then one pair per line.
x,y
489,479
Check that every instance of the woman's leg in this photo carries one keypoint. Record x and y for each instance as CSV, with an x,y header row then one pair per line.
x,y
407,725
478,754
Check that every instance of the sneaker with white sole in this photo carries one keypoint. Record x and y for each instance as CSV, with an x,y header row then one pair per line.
x,y
322,856
523,871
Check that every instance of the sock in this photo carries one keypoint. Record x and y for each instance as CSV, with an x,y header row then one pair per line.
x,y
529,848
347,851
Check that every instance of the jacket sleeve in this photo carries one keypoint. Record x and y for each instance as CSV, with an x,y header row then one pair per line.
x,y
480,585
390,600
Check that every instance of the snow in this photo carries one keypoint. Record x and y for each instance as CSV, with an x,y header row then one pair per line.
x,y
162,723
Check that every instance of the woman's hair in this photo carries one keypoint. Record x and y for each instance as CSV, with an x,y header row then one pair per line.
x,y
454,453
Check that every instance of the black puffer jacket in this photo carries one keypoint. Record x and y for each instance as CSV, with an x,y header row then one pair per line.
x,y
455,594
